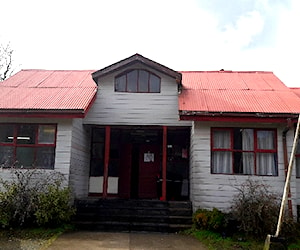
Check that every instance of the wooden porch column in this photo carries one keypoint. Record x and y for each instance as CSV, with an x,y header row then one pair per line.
x,y
106,160
164,164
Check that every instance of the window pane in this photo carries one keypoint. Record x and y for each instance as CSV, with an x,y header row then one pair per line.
x,y
248,163
143,81
6,156
6,133
132,81
98,135
120,84
25,157
297,167
222,163
248,139
237,163
154,84
26,134
298,148
98,150
237,138
96,167
221,139
46,134
45,157
265,140
266,164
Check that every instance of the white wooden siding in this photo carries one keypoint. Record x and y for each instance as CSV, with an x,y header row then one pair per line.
x,y
217,190
80,159
120,108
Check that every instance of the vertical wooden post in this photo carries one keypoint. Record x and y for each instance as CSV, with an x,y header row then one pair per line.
x,y
288,179
106,160
164,164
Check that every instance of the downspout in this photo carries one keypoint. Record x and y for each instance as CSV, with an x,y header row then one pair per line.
x,y
285,161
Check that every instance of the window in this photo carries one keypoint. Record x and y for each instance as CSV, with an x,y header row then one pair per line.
x,y
244,151
97,152
137,81
298,160
27,145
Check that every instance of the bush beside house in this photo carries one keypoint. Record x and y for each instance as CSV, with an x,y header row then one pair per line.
x,y
34,197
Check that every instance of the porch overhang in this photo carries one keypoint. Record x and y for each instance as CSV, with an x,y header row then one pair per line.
x,y
238,117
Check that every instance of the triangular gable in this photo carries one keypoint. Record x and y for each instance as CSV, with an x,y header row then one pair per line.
x,y
132,60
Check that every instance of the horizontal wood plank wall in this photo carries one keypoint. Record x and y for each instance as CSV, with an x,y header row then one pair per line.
x,y
217,190
80,159
119,108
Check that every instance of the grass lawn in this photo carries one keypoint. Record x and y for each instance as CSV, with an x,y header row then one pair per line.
x,y
214,241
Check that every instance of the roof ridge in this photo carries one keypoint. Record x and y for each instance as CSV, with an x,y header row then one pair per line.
x,y
60,70
225,71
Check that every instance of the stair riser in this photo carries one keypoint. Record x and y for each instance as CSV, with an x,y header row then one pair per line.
x,y
128,215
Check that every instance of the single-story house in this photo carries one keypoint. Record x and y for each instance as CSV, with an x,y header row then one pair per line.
x,y
139,130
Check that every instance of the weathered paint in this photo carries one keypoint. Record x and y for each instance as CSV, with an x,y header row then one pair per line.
x,y
119,108
217,190
80,158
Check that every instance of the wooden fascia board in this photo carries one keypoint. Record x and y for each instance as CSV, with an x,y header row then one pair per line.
x,y
43,113
248,118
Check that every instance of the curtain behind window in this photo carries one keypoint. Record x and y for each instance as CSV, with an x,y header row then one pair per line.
x,y
222,160
265,162
248,157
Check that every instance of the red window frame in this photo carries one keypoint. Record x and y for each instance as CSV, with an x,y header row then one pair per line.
x,y
137,82
255,150
36,145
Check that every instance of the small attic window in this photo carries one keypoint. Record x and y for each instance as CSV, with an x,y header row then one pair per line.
x,y
137,81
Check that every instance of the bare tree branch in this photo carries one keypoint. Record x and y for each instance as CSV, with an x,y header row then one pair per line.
x,y
6,62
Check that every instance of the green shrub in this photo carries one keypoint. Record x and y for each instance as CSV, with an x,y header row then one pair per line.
x,y
34,197
53,206
256,209
213,220
17,200
6,205
290,230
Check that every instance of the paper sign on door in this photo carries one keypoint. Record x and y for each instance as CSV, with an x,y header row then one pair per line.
x,y
148,157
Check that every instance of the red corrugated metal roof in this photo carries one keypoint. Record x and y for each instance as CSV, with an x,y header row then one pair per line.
x,y
215,91
48,90
227,91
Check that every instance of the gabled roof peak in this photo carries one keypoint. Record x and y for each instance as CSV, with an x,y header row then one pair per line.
x,y
134,59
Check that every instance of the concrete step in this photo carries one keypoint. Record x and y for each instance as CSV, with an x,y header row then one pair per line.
x,y
133,215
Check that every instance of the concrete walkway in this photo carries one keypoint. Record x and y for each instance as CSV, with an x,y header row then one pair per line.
x,y
120,241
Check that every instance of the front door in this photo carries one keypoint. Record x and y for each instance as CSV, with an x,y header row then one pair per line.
x,y
149,160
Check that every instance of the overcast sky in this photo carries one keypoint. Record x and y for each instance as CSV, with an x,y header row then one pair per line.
x,y
182,35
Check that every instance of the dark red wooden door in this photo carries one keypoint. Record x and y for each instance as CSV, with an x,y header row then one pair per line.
x,y
149,160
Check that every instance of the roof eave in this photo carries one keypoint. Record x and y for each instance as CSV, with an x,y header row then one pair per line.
x,y
43,113
237,117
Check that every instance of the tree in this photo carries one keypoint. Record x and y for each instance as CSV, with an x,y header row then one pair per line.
x,y
6,61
